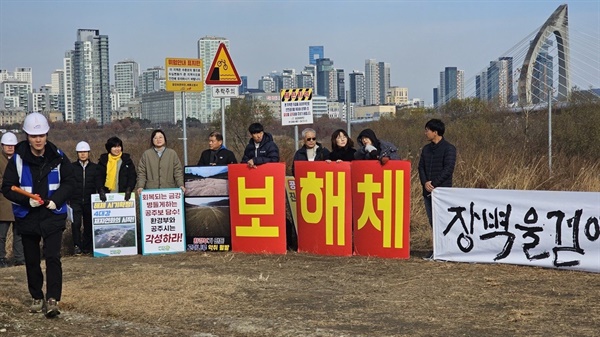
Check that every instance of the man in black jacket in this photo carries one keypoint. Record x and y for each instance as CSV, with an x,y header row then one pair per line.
x,y
261,148
311,150
86,177
436,165
217,154
40,168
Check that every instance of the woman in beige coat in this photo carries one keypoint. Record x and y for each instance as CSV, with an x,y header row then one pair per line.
x,y
159,166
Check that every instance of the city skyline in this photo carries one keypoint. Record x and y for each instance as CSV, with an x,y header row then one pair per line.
x,y
425,38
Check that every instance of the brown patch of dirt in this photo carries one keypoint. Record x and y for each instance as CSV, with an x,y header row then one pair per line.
x,y
234,294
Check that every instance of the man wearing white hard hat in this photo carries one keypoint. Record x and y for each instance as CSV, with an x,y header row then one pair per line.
x,y
39,180
9,140
86,175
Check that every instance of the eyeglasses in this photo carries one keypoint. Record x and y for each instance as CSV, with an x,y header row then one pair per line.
x,y
311,139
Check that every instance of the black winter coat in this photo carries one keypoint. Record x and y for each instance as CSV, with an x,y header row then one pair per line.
x,y
267,151
437,164
86,182
127,174
321,155
40,220
345,154
222,157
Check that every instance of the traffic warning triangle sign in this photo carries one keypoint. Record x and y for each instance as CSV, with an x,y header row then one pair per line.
x,y
222,71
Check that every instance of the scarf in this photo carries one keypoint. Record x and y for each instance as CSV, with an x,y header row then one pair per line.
x,y
111,171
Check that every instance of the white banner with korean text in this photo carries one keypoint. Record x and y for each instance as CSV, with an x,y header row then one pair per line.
x,y
163,229
539,228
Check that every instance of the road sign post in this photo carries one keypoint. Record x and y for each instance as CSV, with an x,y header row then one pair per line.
x,y
183,74
224,80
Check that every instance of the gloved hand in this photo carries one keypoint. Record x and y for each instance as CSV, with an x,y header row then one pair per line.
x,y
51,205
384,160
127,194
102,195
34,203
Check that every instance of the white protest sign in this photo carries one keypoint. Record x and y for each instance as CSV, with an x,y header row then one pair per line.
x,y
114,225
538,228
162,216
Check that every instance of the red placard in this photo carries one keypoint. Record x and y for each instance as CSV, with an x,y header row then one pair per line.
x,y
324,207
381,208
257,208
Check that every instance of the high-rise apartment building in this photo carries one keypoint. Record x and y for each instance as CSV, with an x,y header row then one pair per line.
x,y
69,111
127,75
243,85
305,80
481,86
377,81
499,74
384,81
207,49
452,85
315,53
266,84
57,83
326,79
341,85
16,95
312,70
357,87
90,77
288,79
151,80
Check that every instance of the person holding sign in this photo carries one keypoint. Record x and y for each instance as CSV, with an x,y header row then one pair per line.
x,y
116,172
342,147
261,148
311,150
217,154
373,148
39,179
159,166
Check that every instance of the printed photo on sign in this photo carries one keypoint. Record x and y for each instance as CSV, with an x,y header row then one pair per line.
x,y
114,225
207,208
205,181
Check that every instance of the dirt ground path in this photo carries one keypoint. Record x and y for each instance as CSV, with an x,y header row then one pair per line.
x,y
232,294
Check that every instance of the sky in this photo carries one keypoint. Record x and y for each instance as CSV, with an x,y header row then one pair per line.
x,y
417,38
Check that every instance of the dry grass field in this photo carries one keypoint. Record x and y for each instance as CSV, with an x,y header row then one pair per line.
x,y
228,294
233,294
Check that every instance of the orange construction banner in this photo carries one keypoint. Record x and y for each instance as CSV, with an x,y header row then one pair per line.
x,y
257,208
381,208
324,207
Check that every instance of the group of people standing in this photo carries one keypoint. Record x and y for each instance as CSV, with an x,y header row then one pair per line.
x,y
39,183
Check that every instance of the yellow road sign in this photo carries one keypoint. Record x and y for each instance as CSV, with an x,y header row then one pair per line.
x,y
222,71
184,74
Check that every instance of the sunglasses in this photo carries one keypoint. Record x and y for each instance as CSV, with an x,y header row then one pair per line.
x,y
311,139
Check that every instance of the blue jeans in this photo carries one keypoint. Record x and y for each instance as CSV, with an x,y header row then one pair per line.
x,y
17,242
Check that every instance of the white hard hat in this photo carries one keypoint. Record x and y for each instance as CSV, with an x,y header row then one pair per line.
x,y
9,138
36,124
82,147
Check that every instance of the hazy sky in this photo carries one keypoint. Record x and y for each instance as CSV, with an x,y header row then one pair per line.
x,y
417,38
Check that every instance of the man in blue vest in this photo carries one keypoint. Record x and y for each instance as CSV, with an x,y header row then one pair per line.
x,y
40,168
